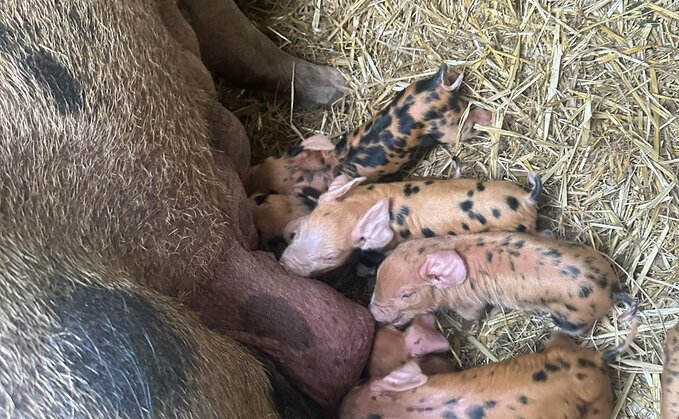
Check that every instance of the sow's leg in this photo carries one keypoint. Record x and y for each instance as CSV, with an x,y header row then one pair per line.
x,y
75,347
234,48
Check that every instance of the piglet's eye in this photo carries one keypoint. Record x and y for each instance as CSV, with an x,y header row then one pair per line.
x,y
407,294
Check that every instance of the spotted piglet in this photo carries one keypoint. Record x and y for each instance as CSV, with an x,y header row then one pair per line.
x,y
271,213
572,282
381,215
393,348
425,114
306,169
563,381
670,376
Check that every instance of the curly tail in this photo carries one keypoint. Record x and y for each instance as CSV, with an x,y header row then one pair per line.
x,y
536,183
630,315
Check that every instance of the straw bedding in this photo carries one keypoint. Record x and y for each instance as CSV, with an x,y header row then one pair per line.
x,y
583,92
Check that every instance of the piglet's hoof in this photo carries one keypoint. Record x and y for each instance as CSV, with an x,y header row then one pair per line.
x,y
317,86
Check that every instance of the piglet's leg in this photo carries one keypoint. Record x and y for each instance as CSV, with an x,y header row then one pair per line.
x,y
319,339
234,48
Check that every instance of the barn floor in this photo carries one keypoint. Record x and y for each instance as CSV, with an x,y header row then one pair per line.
x,y
583,92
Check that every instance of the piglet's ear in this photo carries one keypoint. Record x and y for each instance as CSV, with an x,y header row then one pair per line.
x,y
440,75
422,337
407,377
318,142
373,230
339,186
443,269
455,85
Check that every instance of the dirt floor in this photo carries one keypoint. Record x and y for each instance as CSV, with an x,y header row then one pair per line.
x,y
583,92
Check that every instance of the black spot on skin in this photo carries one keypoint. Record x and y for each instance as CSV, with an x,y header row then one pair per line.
x,y
585,291
430,139
426,232
401,215
521,228
564,364
470,193
295,150
476,216
475,412
432,97
371,157
424,409
374,416
448,415
263,311
451,401
496,213
570,307
409,190
405,233
512,203
371,187
580,376
119,345
489,404
465,227
480,187
513,253
523,399
453,103
432,114
540,376
512,266
572,271
466,205
553,253
57,79
602,282
519,244
551,367
260,199
428,182
489,256
452,233
586,363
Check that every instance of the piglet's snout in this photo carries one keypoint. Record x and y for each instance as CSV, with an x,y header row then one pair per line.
x,y
381,314
292,265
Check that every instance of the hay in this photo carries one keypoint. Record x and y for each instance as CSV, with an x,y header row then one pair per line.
x,y
583,92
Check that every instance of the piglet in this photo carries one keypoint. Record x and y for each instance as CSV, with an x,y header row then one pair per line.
x,y
381,215
393,348
563,381
271,213
670,376
425,114
572,282
306,169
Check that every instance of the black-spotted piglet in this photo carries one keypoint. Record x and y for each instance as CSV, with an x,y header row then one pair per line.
x,y
572,282
563,381
381,215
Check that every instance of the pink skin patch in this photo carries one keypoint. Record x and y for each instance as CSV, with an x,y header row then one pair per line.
x,y
453,86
